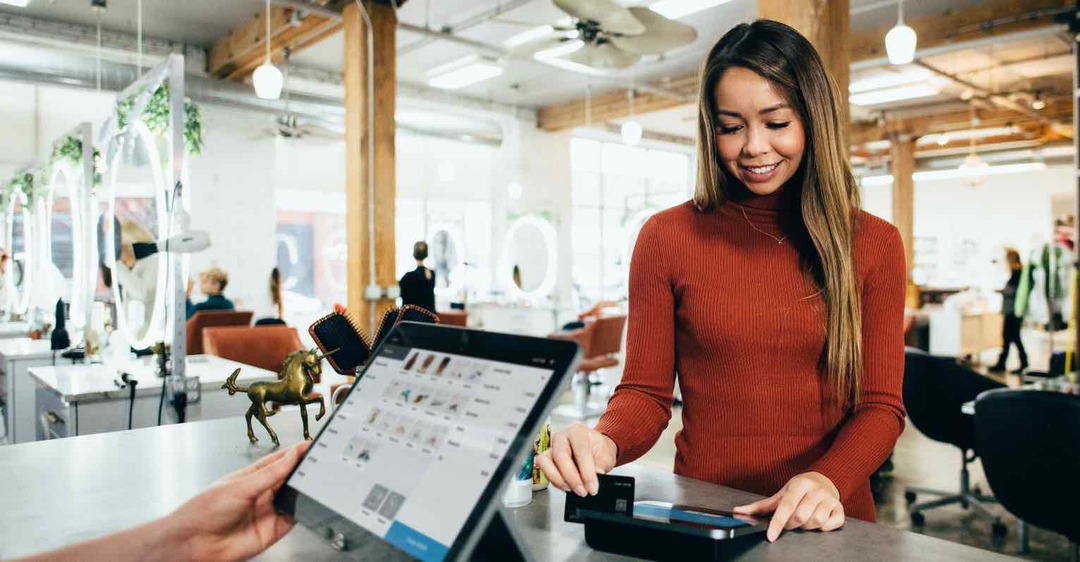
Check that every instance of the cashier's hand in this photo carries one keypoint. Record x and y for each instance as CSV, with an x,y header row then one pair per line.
x,y
235,519
808,501
576,455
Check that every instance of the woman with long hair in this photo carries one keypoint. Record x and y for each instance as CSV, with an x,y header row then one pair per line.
x,y
773,300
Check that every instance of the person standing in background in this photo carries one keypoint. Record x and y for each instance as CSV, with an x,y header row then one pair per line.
x,y
1010,332
418,285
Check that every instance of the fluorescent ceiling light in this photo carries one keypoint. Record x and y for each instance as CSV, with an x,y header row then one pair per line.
x,y
463,72
561,50
895,94
16,3
968,134
675,9
955,173
907,75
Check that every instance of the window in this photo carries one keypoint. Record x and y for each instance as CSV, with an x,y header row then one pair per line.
x,y
616,188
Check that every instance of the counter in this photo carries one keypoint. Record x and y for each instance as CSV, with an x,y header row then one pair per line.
x,y
17,356
54,493
84,399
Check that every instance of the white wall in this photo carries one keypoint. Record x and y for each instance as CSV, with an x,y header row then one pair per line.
x,y
972,225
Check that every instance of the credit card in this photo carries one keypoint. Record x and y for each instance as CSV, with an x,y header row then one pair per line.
x,y
616,495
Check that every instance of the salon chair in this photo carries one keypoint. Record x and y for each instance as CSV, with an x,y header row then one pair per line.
x,y
454,318
213,318
935,389
1028,441
601,342
260,346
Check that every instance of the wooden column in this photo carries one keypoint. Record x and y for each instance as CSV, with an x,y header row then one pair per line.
x,y
357,207
825,23
902,164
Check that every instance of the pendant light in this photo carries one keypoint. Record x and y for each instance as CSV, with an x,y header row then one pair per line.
x,y
901,40
267,78
631,130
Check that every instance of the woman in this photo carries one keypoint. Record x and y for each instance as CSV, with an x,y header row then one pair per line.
x,y
776,300
418,285
1010,331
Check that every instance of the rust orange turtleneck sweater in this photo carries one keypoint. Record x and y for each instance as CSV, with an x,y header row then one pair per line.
x,y
720,306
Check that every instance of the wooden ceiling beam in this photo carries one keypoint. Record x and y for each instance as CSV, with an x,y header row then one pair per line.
x,y
994,18
1056,110
242,50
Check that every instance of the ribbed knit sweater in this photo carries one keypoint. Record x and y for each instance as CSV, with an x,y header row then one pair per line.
x,y
719,305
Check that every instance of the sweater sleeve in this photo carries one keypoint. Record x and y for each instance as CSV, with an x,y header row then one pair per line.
x,y
640,408
868,435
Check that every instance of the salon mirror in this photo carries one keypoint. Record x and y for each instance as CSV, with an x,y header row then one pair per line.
x,y
445,257
18,271
59,267
137,213
529,257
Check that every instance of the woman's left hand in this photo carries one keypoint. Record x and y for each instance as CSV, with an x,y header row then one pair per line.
x,y
808,501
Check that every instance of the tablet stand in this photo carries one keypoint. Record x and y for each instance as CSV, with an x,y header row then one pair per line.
x,y
499,541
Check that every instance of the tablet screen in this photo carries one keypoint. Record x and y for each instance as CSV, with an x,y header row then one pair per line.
x,y
410,452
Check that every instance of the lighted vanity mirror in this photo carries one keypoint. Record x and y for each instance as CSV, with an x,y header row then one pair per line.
x,y
135,216
60,272
18,272
529,258
445,256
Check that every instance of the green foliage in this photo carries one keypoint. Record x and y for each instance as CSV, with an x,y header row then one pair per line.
x,y
71,150
24,182
156,117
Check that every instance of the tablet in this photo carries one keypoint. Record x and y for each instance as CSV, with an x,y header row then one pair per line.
x,y
412,464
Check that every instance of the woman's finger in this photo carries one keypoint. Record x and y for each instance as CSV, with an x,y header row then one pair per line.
x,y
583,457
783,513
818,518
564,461
258,465
547,466
270,476
804,512
836,519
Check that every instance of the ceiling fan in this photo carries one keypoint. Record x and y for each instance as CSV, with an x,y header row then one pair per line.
x,y
286,124
612,36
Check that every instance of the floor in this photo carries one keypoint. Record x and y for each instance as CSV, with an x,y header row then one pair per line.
x,y
922,462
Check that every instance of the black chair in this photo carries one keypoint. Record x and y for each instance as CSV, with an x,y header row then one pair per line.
x,y
1029,441
935,389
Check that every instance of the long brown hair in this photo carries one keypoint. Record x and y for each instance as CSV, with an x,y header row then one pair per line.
x,y
828,194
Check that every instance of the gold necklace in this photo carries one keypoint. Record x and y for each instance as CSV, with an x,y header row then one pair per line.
x,y
778,240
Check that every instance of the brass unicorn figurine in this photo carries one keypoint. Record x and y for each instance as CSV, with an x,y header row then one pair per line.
x,y
295,380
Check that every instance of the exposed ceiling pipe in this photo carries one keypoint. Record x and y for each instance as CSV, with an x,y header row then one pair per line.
x,y
450,37
487,15
1047,31
996,99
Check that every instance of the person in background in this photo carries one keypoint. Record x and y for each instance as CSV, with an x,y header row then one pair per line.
x,y
418,285
1010,331
771,298
234,519
212,283
275,293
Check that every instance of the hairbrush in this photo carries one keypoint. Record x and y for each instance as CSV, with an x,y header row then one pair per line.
x,y
394,316
339,331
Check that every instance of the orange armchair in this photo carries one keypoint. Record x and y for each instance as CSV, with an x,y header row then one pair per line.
x,y
260,346
211,318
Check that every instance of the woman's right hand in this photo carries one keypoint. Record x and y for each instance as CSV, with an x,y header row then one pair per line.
x,y
576,456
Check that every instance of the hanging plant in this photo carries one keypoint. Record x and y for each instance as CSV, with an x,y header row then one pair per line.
x,y
24,182
71,150
156,117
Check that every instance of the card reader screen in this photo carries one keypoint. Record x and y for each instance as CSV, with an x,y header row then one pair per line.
x,y
664,512
408,455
